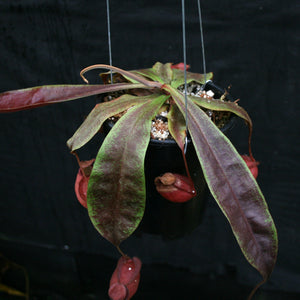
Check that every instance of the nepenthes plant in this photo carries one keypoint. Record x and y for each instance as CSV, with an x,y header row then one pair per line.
x,y
114,182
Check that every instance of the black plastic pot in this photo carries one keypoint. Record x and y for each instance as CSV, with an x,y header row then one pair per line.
x,y
163,217
173,220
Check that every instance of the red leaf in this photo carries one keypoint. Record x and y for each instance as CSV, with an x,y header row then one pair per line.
x,y
125,279
233,187
49,94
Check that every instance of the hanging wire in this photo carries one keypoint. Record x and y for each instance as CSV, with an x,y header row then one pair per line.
x,y
109,39
202,41
185,75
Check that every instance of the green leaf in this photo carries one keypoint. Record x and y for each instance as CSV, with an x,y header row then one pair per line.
x,y
233,187
219,105
178,77
49,94
162,73
177,125
116,191
99,114
149,73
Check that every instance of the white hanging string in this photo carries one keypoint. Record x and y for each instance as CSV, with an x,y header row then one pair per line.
x,y
184,60
184,54
109,39
202,40
185,75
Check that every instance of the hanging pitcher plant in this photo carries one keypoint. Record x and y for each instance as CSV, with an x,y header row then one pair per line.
x,y
112,186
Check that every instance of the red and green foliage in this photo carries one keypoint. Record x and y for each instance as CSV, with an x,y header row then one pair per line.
x,y
116,190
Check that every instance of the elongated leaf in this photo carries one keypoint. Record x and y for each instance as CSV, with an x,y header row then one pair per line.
x,y
49,94
127,74
219,105
99,114
149,73
117,78
234,188
177,126
116,191
178,77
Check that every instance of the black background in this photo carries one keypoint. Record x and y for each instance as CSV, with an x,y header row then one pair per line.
x,y
251,45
